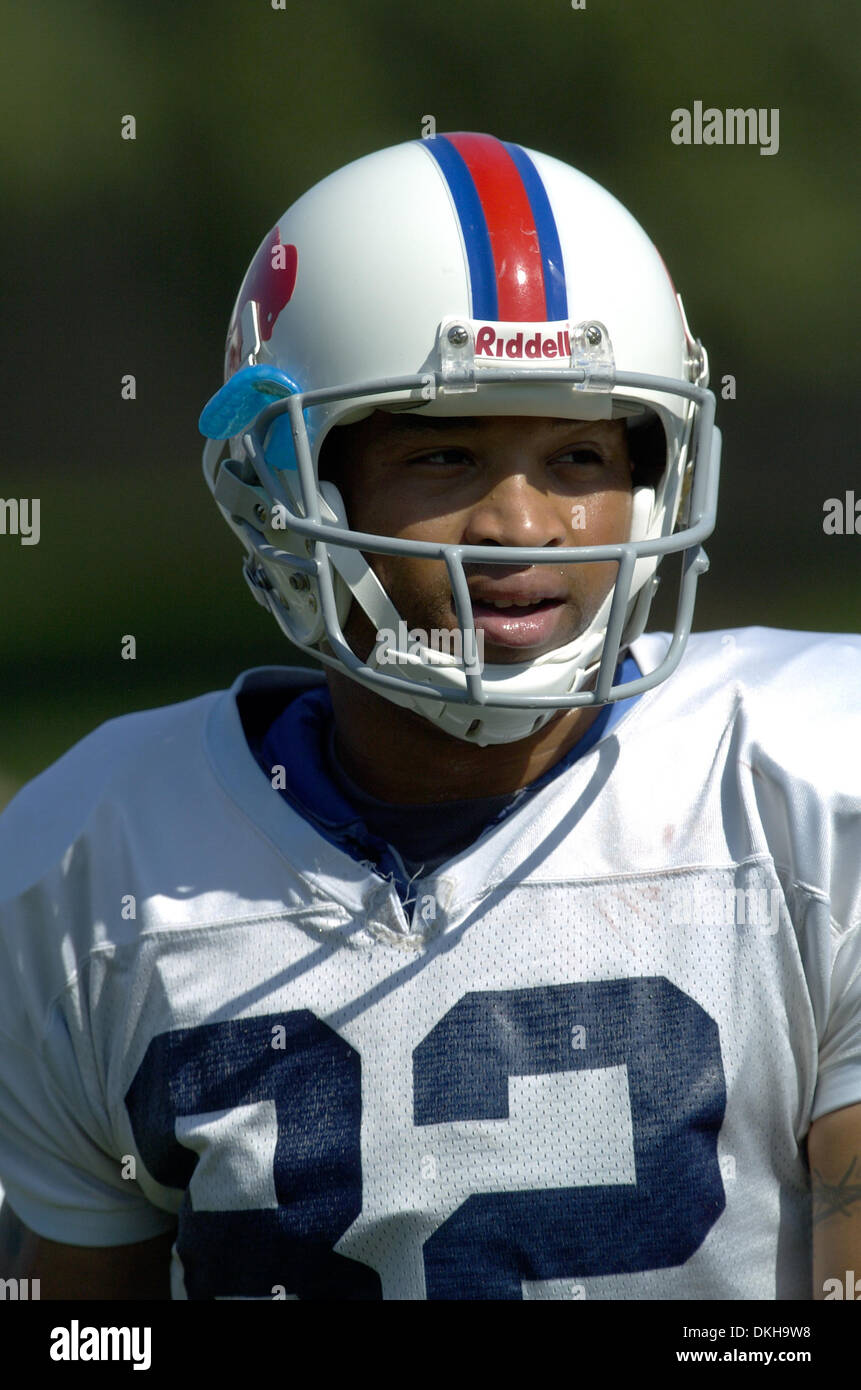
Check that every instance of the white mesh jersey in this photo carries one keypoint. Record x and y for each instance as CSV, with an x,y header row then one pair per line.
x,y
584,1068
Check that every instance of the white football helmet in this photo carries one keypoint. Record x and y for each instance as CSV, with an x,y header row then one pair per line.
x,y
458,275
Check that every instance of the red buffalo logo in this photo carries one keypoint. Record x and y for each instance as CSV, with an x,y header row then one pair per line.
x,y
269,285
271,280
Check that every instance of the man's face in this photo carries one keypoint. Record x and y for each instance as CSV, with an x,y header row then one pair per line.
x,y
493,481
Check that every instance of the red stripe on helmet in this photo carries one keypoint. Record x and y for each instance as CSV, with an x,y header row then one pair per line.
x,y
511,225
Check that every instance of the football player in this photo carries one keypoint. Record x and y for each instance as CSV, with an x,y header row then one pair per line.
x,y
514,953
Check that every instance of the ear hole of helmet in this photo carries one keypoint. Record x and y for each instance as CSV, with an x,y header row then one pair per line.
x,y
647,446
329,461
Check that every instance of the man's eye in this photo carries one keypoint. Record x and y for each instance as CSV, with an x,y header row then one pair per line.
x,y
585,453
442,456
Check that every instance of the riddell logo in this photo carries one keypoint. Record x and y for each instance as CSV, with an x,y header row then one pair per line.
x,y
524,345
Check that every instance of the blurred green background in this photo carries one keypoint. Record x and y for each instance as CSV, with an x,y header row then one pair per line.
x,y
124,256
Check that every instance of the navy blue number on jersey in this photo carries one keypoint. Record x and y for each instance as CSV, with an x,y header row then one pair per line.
x,y
671,1049
315,1084
494,1240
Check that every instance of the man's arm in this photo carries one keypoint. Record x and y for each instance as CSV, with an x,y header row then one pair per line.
x,y
834,1154
139,1271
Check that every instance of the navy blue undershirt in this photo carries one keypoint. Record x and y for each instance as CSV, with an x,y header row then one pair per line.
x,y
401,841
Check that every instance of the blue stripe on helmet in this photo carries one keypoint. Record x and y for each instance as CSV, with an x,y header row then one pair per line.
x,y
479,254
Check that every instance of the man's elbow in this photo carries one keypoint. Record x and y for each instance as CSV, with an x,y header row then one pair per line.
x,y
137,1271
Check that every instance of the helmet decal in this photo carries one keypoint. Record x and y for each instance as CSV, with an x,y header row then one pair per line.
x,y
269,285
512,244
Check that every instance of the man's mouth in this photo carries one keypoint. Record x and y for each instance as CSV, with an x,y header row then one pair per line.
x,y
518,623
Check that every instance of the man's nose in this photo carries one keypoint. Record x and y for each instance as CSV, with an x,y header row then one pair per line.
x,y
515,511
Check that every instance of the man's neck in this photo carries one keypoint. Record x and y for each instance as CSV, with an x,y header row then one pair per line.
x,y
399,756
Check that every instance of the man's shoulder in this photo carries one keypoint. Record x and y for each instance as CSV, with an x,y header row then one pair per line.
x,y
822,665
791,697
143,757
